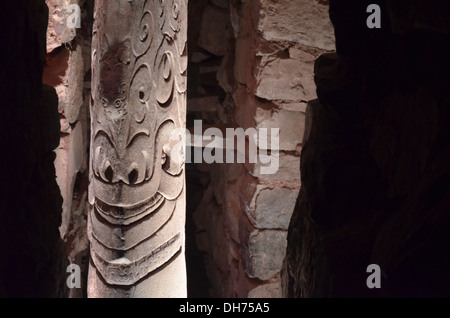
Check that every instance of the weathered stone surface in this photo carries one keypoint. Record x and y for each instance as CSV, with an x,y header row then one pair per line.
x,y
243,62
65,72
68,63
286,79
71,91
291,127
266,251
214,32
271,208
300,21
70,160
300,55
271,290
288,171
221,252
58,32
137,196
267,75
293,107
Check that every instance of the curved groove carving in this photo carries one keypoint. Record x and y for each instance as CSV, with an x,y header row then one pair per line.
x,y
127,215
121,237
136,220
122,272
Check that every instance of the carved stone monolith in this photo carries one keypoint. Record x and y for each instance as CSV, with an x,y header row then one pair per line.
x,y
137,187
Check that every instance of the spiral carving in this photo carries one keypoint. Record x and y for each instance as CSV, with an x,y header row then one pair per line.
x,y
136,220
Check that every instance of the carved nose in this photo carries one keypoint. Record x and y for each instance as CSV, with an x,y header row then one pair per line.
x,y
130,177
133,176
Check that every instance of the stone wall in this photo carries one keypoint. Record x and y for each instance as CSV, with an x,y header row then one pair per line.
x,y
252,65
68,71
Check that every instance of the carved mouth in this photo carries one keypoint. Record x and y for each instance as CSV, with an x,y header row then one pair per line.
x,y
124,272
125,215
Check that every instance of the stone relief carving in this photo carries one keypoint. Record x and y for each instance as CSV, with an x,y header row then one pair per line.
x,y
139,64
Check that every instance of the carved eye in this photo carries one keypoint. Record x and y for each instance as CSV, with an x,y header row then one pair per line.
x,y
144,33
133,176
142,94
104,102
123,89
165,80
175,11
109,174
118,103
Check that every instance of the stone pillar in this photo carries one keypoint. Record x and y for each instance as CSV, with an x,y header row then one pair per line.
x,y
137,196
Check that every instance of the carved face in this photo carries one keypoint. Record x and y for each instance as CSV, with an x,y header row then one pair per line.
x,y
136,193
135,112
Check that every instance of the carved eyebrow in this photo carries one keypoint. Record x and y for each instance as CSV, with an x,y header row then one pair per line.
x,y
106,134
142,132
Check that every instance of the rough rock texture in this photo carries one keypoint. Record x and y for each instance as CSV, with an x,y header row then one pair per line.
x,y
297,21
264,253
58,32
33,261
271,208
374,167
287,79
259,66
215,24
67,70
